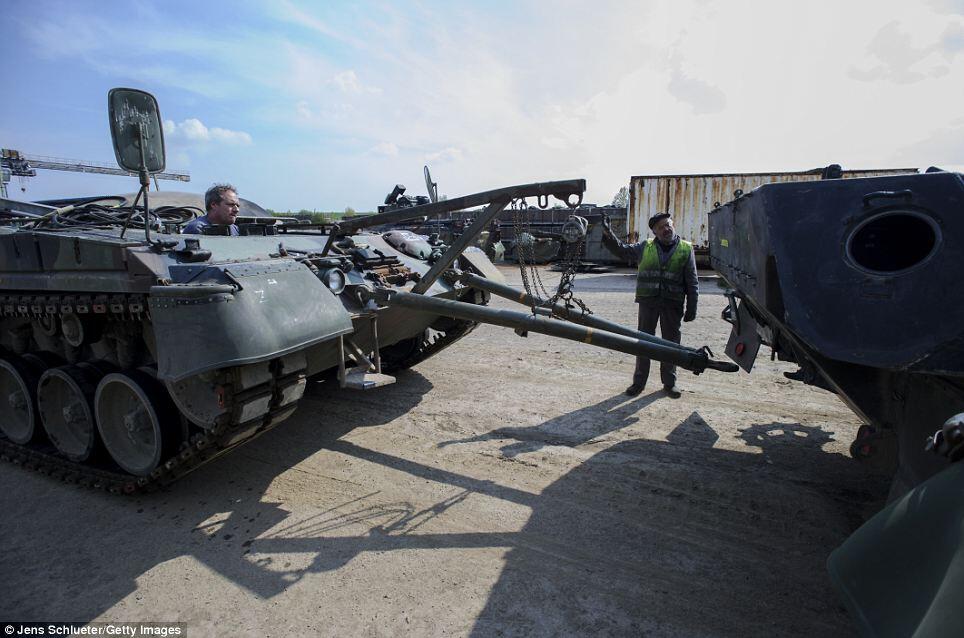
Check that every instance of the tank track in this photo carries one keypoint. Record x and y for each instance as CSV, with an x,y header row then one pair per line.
x,y
39,306
430,348
229,432
201,447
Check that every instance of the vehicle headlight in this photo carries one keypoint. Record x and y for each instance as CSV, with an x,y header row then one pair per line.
x,y
334,278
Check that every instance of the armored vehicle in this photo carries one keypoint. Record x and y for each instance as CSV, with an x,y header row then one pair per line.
x,y
130,353
856,281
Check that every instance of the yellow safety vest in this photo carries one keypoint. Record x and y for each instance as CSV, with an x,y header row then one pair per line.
x,y
662,280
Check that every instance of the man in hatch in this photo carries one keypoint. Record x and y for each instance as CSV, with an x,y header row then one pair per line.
x,y
666,279
222,205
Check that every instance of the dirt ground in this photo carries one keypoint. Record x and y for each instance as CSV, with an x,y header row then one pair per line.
x,y
506,487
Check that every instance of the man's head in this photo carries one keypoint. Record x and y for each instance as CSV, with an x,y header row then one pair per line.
x,y
662,227
222,204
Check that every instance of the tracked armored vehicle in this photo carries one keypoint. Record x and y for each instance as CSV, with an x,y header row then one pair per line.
x,y
130,353
857,281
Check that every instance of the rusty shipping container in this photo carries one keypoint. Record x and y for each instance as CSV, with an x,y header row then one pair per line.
x,y
690,198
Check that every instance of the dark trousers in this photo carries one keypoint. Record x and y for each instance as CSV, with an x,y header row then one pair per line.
x,y
669,314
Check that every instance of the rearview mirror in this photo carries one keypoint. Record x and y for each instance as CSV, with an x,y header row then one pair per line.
x,y
135,128
430,185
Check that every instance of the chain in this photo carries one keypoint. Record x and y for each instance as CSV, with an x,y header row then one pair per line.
x,y
564,291
532,280
524,251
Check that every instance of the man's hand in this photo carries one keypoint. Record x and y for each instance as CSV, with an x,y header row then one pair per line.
x,y
690,314
605,225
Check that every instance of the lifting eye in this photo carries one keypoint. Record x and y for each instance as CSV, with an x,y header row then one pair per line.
x,y
893,242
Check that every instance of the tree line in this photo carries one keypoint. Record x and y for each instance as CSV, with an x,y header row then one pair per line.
x,y
317,216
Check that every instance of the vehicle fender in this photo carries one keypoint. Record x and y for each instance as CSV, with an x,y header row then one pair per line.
x,y
902,572
268,310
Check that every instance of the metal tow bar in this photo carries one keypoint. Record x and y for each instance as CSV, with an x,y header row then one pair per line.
x,y
539,306
660,350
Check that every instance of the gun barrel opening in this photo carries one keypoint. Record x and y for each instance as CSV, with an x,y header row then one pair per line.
x,y
893,242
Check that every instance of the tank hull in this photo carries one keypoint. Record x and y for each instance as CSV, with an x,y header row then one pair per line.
x,y
854,280
225,344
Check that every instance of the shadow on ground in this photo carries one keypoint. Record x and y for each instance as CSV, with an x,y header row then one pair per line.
x,y
677,537
572,429
82,575
674,537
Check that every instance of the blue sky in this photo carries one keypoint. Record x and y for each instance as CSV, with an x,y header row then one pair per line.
x,y
324,105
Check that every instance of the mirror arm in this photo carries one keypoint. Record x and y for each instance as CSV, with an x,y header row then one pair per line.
x,y
145,183
145,180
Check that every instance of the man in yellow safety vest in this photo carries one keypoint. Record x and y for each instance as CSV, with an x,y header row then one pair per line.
x,y
665,279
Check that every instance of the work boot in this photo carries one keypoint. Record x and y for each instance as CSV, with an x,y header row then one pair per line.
x,y
672,391
634,390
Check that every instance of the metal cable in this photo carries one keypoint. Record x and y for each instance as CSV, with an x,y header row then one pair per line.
x,y
94,215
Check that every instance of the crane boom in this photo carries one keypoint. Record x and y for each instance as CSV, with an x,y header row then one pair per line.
x,y
17,164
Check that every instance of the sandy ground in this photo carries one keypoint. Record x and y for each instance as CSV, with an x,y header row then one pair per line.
x,y
504,487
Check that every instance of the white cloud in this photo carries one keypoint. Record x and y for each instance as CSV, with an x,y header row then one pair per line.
x,y
292,13
348,82
629,96
158,57
193,131
952,40
665,86
557,143
895,55
703,97
230,137
948,6
448,154
387,149
944,146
